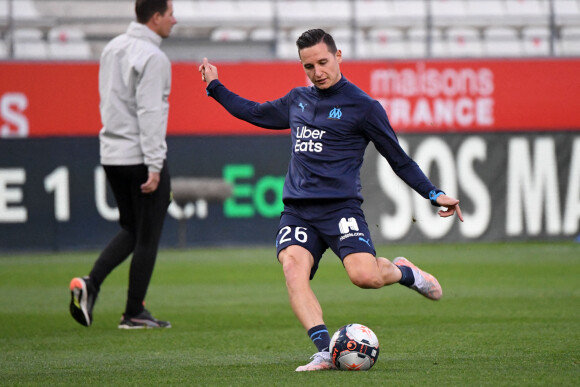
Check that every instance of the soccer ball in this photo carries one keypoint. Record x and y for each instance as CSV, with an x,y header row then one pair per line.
x,y
354,347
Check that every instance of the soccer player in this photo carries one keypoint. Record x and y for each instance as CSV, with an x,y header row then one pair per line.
x,y
134,86
331,124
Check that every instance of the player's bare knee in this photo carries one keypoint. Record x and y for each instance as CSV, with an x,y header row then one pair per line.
x,y
292,266
366,281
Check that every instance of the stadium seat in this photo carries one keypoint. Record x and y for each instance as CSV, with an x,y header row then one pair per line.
x,y
343,37
341,33
286,43
291,12
408,13
184,10
320,12
199,14
106,10
386,43
527,12
68,43
22,10
567,12
228,35
536,41
486,12
29,44
361,45
332,11
570,41
464,42
255,12
501,42
369,13
286,50
389,13
262,34
99,19
417,43
215,11
448,12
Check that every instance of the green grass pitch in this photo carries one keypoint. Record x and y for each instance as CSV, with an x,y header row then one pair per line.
x,y
510,316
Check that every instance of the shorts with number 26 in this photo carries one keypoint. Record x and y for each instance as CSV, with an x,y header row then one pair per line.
x,y
317,225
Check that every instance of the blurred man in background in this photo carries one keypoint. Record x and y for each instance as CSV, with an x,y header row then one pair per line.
x,y
134,86
332,123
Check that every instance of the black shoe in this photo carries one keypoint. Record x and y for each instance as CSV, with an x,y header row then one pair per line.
x,y
83,299
141,321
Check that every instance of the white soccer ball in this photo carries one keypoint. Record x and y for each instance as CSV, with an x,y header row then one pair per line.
x,y
354,347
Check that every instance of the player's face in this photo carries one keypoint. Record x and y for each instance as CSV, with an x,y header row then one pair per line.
x,y
321,66
166,21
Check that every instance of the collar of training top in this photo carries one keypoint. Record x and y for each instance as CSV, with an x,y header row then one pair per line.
x,y
332,89
141,31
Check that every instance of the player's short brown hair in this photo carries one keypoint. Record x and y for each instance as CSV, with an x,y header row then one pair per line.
x,y
313,37
145,9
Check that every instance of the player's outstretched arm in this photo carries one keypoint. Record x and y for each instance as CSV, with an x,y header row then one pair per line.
x,y
208,71
269,115
451,205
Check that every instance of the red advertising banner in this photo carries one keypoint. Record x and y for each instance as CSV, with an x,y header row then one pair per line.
x,y
61,99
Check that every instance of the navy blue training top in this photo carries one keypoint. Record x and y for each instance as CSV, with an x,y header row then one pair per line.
x,y
331,129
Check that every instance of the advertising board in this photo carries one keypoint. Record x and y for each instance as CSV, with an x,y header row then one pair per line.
x,y
512,186
60,99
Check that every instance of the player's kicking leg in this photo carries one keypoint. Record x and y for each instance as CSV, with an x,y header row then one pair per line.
x,y
297,263
424,283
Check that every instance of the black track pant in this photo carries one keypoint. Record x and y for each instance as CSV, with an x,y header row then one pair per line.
x,y
141,219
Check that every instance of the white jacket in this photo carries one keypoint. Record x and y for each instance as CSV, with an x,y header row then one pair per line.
x,y
134,86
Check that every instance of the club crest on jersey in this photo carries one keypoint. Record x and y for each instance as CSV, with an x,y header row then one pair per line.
x,y
335,114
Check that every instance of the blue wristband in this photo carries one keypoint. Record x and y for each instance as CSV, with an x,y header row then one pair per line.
x,y
434,194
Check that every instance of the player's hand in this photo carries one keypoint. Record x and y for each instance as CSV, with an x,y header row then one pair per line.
x,y
451,205
208,71
151,184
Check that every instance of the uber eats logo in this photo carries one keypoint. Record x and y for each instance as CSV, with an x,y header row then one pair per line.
x,y
252,195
